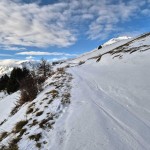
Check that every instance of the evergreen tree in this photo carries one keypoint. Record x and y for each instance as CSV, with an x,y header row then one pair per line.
x,y
12,86
3,82
17,74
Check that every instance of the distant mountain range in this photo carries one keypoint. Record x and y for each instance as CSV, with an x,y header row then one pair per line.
x,y
6,66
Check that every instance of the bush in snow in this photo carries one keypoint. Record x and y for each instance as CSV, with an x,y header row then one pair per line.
x,y
61,70
29,89
20,125
3,135
35,137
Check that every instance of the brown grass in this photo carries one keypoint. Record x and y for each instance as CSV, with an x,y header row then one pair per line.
x,y
20,125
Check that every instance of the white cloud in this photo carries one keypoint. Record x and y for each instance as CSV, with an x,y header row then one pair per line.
x,y
5,55
58,24
107,17
34,25
57,59
12,48
30,58
8,62
39,53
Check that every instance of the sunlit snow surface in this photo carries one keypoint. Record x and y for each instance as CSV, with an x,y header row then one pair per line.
x,y
110,106
110,102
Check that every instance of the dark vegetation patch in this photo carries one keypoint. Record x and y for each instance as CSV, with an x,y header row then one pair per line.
x,y
30,110
38,145
35,137
39,113
15,109
12,145
44,123
50,101
22,132
20,125
3,135
53,92
65,98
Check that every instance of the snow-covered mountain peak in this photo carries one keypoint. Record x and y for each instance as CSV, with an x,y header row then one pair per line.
x,y
114,40
7,65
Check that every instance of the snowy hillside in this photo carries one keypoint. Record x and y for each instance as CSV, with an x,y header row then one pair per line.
x,y
106,48
100,104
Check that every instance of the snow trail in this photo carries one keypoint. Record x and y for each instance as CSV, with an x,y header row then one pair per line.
x,y
107,110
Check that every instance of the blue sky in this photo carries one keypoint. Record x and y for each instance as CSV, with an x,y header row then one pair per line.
x,y
61,29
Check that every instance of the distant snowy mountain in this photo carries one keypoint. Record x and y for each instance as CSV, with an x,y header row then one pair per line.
x,y
114,40
6,66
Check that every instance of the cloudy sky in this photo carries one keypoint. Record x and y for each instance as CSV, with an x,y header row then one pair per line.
x,y
60,29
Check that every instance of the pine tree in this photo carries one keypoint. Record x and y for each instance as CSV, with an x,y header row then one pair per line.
x,y
3,82
17,74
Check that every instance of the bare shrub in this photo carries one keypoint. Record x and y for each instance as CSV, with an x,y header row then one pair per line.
x,y
15,109
54,93
29,89
61,70
66,98
44,68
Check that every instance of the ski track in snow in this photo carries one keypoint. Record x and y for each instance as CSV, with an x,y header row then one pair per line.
x,y
131,136
106,114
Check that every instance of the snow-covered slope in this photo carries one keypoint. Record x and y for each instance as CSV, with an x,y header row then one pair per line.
x,y
110,104
115,40
97,52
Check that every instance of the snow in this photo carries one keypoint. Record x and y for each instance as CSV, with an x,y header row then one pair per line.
x,y
7,65
114,40
109,109
6,105
97,52
51,107
110,106
2,95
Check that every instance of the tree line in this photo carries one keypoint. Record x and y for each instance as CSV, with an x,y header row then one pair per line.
x,y
28,82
